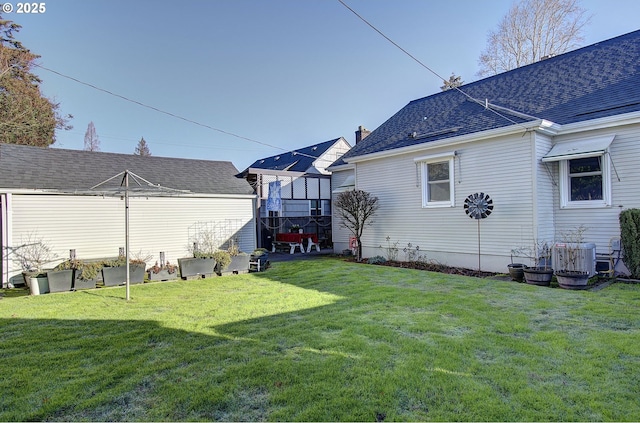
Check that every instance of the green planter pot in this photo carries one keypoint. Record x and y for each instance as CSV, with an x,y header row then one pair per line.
x,y
60,280
114,276
200,267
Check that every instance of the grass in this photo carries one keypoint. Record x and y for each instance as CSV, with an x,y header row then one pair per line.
x,y
323,340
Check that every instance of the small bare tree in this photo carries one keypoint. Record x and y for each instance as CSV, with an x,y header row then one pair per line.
x,y
142,149
91,140
356,209
531,31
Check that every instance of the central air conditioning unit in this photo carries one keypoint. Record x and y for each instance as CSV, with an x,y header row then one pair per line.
x,y
585,260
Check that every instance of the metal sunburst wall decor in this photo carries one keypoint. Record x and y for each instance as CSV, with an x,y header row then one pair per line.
x,y
478,206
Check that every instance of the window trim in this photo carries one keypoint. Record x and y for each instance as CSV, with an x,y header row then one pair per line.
x,y
424,178
565,184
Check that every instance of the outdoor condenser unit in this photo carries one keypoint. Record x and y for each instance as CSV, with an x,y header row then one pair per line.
x,y
586,260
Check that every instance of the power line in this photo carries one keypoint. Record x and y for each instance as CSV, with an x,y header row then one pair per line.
x,y
139,103
485,104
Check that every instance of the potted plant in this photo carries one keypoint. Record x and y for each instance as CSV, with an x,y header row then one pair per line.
x,y
295,228
238,261
260,258
540,253
516,271
164,271
60,278
568,254
115,272
223,260
32,255
87,273
201,264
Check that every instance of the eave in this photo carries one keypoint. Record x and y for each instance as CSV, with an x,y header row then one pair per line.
x,y
540,125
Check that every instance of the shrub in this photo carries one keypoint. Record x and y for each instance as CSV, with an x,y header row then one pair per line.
x,y
223,259
376,260
630,240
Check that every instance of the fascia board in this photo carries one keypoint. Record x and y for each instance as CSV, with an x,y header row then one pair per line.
x,y
541,125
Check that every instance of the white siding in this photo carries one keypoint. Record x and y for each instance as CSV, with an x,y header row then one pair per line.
x,y
603,223
340,236
331,155
499,167
95,226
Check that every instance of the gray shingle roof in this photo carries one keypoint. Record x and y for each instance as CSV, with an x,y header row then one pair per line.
x,y
296,161
592,82
69,170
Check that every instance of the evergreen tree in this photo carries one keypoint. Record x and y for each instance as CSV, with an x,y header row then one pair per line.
x,y
26,116
91,140
453,82
142,149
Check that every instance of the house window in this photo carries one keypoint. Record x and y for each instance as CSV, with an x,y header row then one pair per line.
x,y
315,208
585,182
437,180
319,208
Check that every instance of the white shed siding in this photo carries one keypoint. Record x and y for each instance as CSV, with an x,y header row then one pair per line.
x,y
95,226
603,223
499,167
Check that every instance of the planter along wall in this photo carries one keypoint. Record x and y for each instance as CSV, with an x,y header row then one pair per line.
x,y
162,275
198,267
572,280
538,276
239,264
114,276
60,280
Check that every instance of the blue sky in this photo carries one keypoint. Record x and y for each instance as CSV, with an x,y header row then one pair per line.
x,y
287,73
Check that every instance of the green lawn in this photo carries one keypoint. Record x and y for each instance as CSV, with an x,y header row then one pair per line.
x,y
323,340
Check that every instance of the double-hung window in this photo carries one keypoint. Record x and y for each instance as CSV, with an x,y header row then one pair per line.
x,y
585,182
585,178
437,175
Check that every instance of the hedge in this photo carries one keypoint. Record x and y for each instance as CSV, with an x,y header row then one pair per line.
x,y
630,240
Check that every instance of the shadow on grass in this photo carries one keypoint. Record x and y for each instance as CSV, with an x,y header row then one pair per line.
x,y
407,349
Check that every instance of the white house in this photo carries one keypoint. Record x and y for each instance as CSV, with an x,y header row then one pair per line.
x,y
304,188
554,144
45,194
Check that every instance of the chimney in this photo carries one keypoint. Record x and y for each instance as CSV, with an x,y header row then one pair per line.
x,y
361,133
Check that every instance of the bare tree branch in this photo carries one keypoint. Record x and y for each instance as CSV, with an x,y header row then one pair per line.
x,y
356,209
531,31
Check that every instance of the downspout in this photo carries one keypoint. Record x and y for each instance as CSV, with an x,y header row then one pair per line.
x,y
534,187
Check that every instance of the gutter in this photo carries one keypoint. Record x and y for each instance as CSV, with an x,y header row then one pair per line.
x,y
540,125
23,191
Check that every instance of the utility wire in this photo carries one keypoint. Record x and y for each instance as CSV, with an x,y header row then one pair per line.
x,y
139,103
484,104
